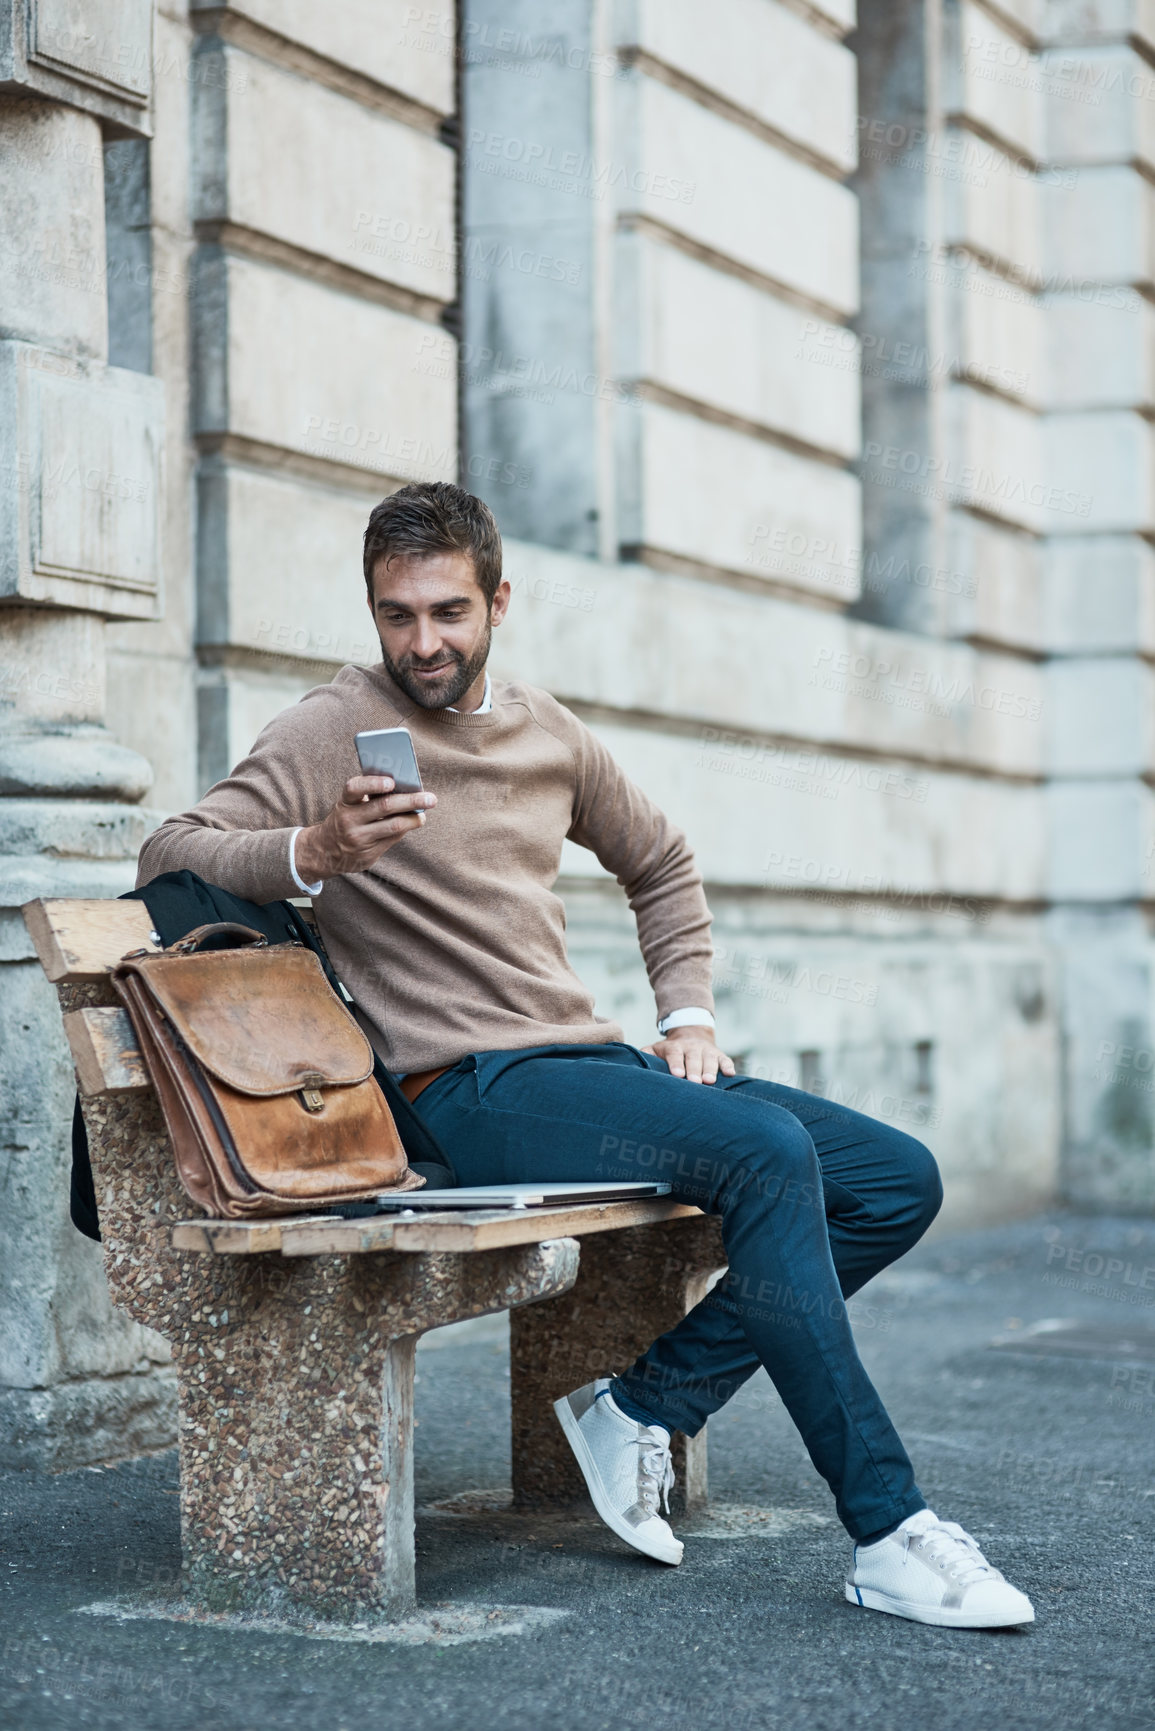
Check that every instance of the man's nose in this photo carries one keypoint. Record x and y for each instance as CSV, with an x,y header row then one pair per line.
x,y
427,640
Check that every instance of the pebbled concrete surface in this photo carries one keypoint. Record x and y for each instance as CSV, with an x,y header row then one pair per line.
x,y
1041,1445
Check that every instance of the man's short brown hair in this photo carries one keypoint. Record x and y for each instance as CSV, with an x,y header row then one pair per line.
x,y
435,517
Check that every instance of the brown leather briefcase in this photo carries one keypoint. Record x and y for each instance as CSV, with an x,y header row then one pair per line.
x,y
265,1079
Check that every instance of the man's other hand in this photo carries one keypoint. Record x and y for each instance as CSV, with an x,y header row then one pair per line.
x,y
367,820
692,1053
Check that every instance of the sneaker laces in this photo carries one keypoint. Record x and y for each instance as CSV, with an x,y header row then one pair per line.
x,y
951,1547
655,1471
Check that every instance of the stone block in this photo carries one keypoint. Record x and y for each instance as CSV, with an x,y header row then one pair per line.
x,y
996,464
1099,595
53,745
842,14
1100,229
736,797
79,504
938,702
534,189
993,582
711,337
731,502
92,55
281,572
287,158
1101,840
52,258
1100,716
1028,14
151,710
993,78
988,1110
169,168
367,388
1101,350
233,705
128,243
763,59
78,1382
1101,107
615,636
529,151
402,46
1105,461
997,334
997,1130
52,670
690,170
69,762
1000,702
38,1093
69,847
990,203
1107,982
82,1423
1067,23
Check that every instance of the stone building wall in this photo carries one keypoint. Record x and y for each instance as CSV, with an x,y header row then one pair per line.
x,y
732,391
81,478
249,211
805,358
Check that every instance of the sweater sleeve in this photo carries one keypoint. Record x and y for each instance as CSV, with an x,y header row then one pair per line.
x,y
238,835
652,861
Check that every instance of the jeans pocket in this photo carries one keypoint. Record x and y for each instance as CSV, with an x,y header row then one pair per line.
x,y
457,1084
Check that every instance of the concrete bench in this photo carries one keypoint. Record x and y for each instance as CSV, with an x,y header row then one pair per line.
x,y
293,1340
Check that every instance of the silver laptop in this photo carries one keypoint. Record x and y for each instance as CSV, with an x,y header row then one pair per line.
x,y
516,1196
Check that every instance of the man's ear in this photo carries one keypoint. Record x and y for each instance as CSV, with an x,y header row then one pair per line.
x,y
499,606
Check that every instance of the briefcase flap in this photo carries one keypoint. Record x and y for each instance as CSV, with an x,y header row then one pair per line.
x,y
265,1023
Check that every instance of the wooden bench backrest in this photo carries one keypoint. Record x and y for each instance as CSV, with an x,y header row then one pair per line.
x,y
77,943
81,940
139,1197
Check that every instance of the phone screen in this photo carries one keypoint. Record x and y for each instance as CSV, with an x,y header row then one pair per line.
x,y
389,751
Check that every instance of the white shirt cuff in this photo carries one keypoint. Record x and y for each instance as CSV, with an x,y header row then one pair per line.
x,y
694,1017
305,889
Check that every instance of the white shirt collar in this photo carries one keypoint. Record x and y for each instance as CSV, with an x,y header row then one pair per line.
x,y
486,703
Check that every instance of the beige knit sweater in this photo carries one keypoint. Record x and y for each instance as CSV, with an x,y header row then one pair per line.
x,y
454,942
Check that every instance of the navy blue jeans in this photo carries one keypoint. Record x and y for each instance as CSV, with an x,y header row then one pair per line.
x,y
814,1200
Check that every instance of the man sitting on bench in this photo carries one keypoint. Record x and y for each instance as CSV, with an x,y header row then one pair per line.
x,y
439,914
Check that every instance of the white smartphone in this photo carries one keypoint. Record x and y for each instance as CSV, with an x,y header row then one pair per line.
x,y
389,751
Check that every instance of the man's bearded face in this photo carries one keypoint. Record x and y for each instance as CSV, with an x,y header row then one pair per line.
x,y
441,681
435,626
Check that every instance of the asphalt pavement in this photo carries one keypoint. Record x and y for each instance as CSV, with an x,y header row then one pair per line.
x,y
1019,1365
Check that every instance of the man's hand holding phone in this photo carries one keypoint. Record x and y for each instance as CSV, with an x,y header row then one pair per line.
x,y
367,820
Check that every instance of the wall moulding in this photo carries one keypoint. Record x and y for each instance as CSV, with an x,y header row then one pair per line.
x,y
95,55
80,484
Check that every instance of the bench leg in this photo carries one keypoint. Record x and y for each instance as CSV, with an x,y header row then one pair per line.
x,y
631,1287
398,1576
297,1454
296,1421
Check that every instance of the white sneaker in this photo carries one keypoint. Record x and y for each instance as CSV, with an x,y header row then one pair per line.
x,y
933,1572
626,1466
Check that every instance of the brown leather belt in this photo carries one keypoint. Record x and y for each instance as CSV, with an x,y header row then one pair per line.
x,y
417,1080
